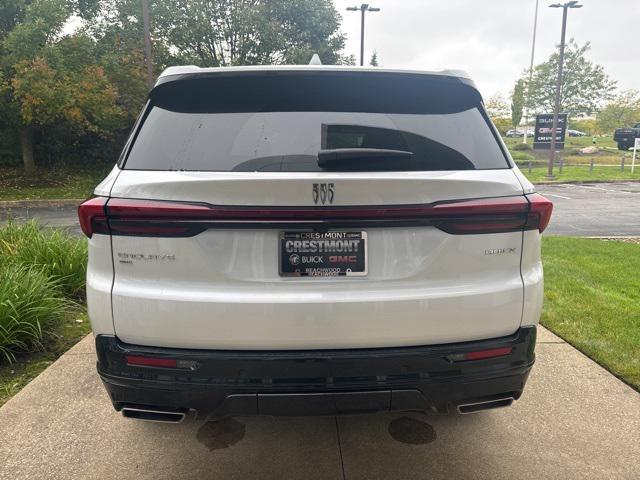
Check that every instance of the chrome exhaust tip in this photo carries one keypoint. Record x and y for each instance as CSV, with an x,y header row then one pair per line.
x,y
465,408
153,414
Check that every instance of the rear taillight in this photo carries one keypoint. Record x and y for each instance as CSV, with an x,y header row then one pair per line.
x,y
181,219
486,215
92,216
539,212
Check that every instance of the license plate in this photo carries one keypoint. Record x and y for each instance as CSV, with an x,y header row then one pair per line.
x,y
323,254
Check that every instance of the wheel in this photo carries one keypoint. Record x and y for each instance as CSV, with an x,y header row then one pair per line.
x,y
623,146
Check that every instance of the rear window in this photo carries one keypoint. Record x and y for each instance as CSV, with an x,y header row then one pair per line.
x,y
280,122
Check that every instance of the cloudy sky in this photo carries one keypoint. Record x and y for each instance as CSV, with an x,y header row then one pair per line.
x,y
491,39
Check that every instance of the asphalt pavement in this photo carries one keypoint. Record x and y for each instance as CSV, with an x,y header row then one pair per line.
x,y
599,209
574,421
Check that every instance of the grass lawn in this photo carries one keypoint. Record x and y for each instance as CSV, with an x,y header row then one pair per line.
x,y
50,183
571,142
13,377
581,173
592,300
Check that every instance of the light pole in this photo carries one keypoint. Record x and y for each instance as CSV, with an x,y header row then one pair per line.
x,y
147,42
565,8
363,8
533,51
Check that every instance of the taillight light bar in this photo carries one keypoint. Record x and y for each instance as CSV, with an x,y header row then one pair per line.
x,y
92,216
181,219
539,212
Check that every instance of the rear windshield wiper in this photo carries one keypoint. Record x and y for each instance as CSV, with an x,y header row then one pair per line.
x,y
359,157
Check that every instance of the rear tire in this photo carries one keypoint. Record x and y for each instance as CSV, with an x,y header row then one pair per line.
x,y
623,146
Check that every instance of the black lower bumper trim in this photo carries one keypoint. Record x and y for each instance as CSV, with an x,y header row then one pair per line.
x,y
324,382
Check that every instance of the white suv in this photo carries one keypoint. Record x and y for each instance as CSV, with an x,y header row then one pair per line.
x,y
313,240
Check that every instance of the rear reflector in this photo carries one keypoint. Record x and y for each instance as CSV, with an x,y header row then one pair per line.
x,y
480,354
178,219
151,361
491,353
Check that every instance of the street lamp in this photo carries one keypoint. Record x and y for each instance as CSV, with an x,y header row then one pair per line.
x,y
565,7
363,8
533,52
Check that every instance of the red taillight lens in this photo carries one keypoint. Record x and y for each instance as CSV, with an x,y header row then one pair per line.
x,y
539,212
486,215
92,216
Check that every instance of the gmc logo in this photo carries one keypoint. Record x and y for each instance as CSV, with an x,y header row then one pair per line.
x,y
323,193
342,259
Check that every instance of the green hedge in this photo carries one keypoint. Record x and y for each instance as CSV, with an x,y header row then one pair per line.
x,y
42,275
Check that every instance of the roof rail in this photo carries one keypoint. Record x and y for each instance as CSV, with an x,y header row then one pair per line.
x,y
178,70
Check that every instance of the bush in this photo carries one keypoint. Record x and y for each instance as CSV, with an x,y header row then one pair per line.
x,y
502,124
61,256
30,302
521,156
522,147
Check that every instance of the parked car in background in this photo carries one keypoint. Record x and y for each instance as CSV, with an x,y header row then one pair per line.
x,y
518,133
514,133
576,133
262,250
625,137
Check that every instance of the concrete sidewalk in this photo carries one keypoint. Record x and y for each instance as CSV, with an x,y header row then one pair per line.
x,y
575,420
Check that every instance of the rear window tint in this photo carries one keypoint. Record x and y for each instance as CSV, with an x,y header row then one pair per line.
x,y
280,124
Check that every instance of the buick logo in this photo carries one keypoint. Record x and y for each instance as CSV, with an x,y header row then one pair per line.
x,y
294,259
323,193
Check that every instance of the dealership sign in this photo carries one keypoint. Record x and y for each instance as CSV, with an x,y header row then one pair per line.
x,y
544,128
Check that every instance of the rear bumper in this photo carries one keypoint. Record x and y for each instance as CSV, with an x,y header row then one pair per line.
x,y
325,382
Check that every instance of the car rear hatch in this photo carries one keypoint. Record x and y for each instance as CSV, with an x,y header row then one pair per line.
x,y
229,233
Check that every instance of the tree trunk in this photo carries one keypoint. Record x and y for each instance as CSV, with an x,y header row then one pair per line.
x,y
26,141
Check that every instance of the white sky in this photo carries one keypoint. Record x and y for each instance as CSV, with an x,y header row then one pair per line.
x,y
491,39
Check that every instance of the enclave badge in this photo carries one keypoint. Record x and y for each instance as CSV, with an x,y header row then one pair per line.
x,y
323,193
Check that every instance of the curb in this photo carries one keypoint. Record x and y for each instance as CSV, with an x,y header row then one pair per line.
x,y
9,204
583,182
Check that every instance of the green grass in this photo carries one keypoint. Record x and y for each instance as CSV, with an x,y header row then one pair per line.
x,y
580,173
592,300
50,183
42,274
13,377
63,257
30,304
571,142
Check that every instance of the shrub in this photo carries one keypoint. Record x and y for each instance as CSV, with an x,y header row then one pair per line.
x,y
521,156
61,256
30,302
522,147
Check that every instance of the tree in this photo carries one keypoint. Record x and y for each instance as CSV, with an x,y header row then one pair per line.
x,y
497,106
374,60
216,33
50,78
622,111
517,102
585,85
